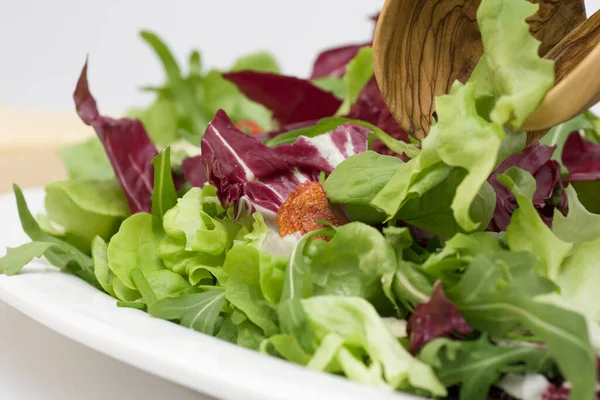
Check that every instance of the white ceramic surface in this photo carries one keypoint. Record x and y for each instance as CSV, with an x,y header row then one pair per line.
x,y
69,306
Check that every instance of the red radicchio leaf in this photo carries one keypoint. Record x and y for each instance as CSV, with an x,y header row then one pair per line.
x,y
127,145
434,319
581,158
371,107
536,159
333,62
253,176
291,100
195,171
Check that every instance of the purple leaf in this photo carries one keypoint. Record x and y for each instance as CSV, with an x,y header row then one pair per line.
x,y
549,193
292,100
581,157
434,319
371,107
127,145
252,176
332,62
194,171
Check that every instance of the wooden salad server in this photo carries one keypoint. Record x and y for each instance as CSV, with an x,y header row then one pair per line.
x,y
422,46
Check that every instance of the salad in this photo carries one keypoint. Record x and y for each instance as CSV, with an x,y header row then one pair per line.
x,y
296,218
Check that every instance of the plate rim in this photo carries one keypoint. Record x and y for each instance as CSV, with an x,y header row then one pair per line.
x,y
104,338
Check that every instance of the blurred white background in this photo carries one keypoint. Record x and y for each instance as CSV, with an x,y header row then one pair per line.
x,y
44,43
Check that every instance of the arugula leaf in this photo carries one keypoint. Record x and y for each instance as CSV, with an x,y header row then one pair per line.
x,y
86,160
134,246
85,209
63,255
477,365
326,125
198,311
358,73
579,225
16,258
184,94
164,196
497,294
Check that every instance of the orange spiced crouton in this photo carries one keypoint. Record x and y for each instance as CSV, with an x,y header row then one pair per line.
x,y
306,206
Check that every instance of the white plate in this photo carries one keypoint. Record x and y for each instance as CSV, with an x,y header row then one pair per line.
x,y
200,362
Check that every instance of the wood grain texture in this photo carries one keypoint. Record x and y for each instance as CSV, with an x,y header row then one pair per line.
x,y
422,46
577,75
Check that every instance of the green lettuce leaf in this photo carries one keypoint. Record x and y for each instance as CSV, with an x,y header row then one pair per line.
x,y
359,72
261,61
190,222
87,161
331,84
579,225
243,287
134,246
464,136
409,284
351,331
354,263
103,273
558,135
356,181
527,231
85,209
520,77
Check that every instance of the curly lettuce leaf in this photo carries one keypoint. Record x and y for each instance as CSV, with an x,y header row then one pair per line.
x,y
134,246
349,331
579,225
464,136
527,232
188,221
520,77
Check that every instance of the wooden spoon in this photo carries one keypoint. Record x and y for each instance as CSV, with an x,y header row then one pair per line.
x,y
422,46
577,80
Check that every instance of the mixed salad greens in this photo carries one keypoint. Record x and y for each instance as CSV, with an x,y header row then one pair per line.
x,y
465,266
